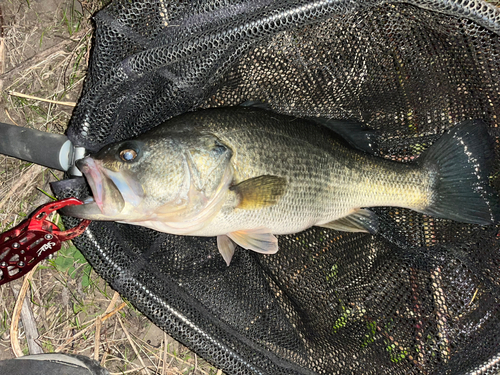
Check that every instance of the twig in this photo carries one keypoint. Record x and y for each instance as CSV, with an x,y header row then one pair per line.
x,y
104,357
128,371
83,331
97,340
133,347
473,297
21,95
144,349
108,309
2,49
170,354
3,309
14,339
115,328
115,298
164,354
8,114
29,323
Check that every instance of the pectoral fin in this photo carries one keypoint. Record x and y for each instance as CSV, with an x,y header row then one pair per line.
x,y
259,192
259,240
226,247
361,220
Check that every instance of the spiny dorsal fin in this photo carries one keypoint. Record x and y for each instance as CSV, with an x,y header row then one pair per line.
x,y
361,220
259,192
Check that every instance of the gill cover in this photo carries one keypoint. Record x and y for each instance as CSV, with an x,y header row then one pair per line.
x,y
207,176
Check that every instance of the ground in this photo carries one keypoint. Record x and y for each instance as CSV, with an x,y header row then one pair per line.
x,y
44,49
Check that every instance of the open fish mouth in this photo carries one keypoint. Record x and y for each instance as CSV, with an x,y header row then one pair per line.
x,y
106,194
107,201
94,178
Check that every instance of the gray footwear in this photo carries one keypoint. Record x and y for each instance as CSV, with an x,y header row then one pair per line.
x,y
52,364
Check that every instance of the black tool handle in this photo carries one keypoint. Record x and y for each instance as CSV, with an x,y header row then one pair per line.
x,y
47,149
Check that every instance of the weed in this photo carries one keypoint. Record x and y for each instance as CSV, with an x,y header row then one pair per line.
x,y
68,260
72,18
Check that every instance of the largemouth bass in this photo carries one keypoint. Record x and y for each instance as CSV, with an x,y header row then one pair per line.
x,y
244,174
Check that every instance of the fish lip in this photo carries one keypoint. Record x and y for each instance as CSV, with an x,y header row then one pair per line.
x,y
116,194
107,195
94,178
89,210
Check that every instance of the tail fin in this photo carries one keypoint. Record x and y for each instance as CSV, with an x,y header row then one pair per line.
x,y
460,163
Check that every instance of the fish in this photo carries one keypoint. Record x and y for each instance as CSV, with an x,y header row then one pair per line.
x,y
245,174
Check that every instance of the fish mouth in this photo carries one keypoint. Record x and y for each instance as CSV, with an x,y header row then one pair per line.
x,y
107,202
106,194
89,169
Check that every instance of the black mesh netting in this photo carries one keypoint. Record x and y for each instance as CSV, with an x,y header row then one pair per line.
x,y
421,296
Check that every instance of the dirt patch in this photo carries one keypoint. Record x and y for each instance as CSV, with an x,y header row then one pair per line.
x,y
44,49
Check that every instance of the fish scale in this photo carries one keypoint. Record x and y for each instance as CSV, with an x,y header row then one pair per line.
x,y
319,168
244,174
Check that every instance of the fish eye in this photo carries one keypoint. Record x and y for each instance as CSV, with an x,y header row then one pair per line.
x,y
128,155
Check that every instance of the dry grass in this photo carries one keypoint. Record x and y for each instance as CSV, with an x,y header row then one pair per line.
x,y
44,48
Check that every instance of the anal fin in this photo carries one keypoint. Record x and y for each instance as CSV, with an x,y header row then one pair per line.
x,y
361,220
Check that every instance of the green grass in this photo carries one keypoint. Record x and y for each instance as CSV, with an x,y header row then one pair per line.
x,y
72,18
71,261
